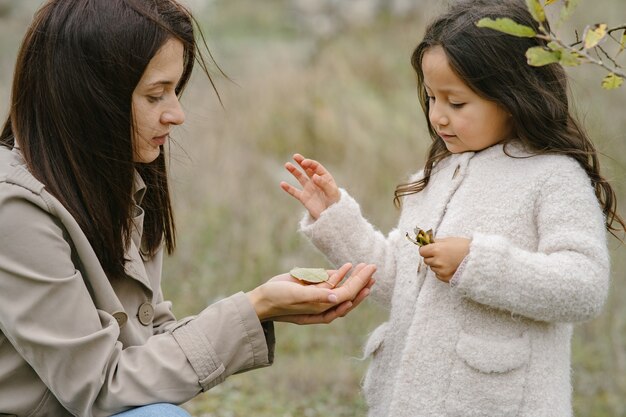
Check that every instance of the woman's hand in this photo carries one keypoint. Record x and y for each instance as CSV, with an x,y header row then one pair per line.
x,y
445,255
284,298
319,190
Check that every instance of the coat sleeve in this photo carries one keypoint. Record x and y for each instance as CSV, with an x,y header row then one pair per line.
x,y
48,316
566,278
343,235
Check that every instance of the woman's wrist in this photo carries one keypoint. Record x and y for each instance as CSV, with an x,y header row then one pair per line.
x,y
259,302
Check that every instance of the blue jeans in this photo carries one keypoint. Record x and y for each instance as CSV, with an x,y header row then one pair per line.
x,y
155,410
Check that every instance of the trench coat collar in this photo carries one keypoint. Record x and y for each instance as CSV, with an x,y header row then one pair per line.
x,y
134,266
139,188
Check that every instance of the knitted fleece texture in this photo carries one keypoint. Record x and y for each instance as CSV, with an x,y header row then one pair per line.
x,y
497,343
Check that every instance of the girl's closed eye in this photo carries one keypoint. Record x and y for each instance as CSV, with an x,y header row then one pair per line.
x,y
456,105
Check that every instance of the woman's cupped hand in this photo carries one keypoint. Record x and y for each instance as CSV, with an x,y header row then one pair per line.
x,y
287,299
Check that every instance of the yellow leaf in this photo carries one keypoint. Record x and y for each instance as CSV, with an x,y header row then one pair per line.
x,y
549,2
594,34
310,275
612,81
536,9
422,237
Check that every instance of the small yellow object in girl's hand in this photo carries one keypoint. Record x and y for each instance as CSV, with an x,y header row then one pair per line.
x,y
422,238
310,275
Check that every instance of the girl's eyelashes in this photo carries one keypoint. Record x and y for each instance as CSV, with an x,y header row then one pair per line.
x,y
431,99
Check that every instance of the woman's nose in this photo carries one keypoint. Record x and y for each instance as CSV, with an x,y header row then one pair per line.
x,y
174,115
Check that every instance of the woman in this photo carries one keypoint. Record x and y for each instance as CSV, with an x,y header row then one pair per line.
x,y
85,216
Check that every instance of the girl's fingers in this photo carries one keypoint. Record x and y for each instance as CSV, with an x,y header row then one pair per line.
x,y
314,166
298,158
305,164
310,166
327,185
427,251
297,174
291,190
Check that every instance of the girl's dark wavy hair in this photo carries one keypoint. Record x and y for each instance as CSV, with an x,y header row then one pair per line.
x,y
71,114
493,64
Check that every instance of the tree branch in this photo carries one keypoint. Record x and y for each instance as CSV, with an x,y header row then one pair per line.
x,y
615,64
617,70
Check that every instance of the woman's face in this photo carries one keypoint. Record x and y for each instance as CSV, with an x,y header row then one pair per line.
x,y
156,108
464,120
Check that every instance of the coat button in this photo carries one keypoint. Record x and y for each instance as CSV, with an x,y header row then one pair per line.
x,y
145,313
120,317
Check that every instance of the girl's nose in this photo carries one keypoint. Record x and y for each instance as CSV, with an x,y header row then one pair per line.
x,y
173,115
437,116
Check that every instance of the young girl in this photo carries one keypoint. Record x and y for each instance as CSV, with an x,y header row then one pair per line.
x,y
85,214
519,210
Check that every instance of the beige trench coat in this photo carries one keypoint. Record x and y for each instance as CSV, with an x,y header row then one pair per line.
x,y
72,342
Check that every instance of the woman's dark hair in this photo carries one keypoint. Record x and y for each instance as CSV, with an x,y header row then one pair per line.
x,y
71,114
493,64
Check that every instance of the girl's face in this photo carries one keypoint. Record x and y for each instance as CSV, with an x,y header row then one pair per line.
x,y
156,108
464,120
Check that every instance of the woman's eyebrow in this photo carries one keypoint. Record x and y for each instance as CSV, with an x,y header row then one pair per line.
x,y
159,83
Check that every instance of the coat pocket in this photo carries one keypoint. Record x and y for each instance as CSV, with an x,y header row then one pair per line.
x,y
488,376
373,347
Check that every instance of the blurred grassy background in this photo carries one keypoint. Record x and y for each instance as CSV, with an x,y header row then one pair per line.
x,y
346,96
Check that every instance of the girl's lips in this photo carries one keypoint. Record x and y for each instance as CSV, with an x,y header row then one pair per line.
x,y
446,137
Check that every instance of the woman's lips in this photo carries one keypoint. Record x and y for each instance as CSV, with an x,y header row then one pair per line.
x,y
160,140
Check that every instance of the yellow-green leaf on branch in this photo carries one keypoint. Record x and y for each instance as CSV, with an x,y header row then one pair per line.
x,y
506,25
593,35
536,10
612,81
537,56
570,59
549,2
566,57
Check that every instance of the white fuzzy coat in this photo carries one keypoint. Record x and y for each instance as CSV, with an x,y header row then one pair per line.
x,y
498,342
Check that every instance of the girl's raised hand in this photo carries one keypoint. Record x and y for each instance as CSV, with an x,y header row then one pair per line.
x,y
319,190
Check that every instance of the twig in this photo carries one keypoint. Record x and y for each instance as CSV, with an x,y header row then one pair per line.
x,y
582,52
616,28
609,57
